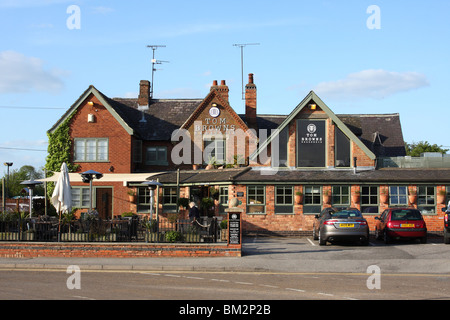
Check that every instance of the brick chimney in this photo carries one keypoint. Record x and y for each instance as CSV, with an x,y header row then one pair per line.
x,y
222,88
144,93
250,103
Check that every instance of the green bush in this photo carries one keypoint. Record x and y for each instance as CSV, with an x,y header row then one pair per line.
x,y
173,236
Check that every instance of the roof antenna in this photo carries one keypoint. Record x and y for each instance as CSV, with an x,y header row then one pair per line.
x,y
242,46
154,61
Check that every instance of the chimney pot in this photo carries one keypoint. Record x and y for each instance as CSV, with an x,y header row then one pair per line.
x,y
215,83
250,103
144,93
222,83
250,78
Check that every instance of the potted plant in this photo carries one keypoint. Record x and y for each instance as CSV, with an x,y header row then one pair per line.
x,y
412,196
326,196
441,196
356,196
384,195
131,195
298,198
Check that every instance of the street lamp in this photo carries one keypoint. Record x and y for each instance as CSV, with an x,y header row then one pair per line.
x,y
31,184
8,164
87,177
152,185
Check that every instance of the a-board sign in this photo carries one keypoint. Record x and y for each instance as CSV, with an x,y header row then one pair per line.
x,y
234,228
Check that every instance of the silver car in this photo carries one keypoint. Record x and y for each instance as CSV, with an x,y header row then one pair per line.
x,y
348,224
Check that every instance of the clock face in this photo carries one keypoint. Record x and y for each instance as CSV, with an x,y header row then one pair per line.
x,y
214,112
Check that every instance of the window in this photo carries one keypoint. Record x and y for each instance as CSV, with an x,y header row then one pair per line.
x,y
369,199
256,199
223,199
283,139
284,199
341,196
137,151
91,150
311,143
312,202
156,156
398,195
342,149
170,199
214,150
80,197
426,199
143,199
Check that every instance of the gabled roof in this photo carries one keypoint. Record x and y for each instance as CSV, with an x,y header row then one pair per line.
x,y
161,119
214,93
338,122
105,102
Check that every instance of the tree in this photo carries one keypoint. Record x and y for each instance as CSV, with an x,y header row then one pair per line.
x,y
19,175
415,149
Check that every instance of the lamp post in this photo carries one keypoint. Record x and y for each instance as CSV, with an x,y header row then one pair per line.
x,y
31,184
8,164
152,185
87,177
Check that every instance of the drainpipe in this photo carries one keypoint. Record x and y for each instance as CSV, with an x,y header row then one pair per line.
x,y
355,159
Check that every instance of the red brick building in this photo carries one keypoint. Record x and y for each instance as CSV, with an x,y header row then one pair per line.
x,y
328,159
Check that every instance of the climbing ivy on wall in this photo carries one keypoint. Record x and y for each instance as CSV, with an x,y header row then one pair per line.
x,y
59,151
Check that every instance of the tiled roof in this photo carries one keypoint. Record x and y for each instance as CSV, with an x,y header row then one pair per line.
x,y
422,175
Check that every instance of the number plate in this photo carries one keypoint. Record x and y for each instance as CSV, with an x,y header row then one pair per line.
x,y
407,225
347,225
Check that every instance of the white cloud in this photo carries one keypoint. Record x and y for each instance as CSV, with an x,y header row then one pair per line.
x,y
376,84
19,74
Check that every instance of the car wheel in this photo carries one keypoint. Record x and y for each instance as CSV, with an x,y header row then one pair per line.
x,y
446,237
387,238
322,242
315,237
377,234
423,239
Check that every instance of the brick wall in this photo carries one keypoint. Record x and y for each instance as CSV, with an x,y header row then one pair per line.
x,y
104,126
120,250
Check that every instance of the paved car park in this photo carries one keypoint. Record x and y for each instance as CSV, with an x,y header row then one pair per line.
x,y
305,255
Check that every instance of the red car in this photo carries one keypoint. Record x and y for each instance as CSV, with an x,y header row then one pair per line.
x,y
396,223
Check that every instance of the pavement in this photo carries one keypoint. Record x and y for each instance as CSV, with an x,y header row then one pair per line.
x,y
290,255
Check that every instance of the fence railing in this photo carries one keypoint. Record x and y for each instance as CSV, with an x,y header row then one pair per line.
x,y
116,230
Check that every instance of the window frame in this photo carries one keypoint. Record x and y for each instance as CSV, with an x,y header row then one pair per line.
x,y
256,195
280,208
340,195
370,197
85,151
426,196
398,195
315,207
158,161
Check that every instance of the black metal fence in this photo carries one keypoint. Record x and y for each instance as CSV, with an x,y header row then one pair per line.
x,y
131,229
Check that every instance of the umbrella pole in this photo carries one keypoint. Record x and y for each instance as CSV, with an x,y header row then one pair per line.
x,y
59,226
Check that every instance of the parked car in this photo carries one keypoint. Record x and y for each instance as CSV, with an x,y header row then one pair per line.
x,y
333,225
398,223
446,226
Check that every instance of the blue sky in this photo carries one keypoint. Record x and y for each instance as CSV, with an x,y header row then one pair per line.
x,y
324,46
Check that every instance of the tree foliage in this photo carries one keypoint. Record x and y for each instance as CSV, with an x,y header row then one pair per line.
x,y
415,149
17,176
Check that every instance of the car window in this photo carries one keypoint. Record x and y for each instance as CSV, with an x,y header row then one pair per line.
x,y
345,214
406,215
